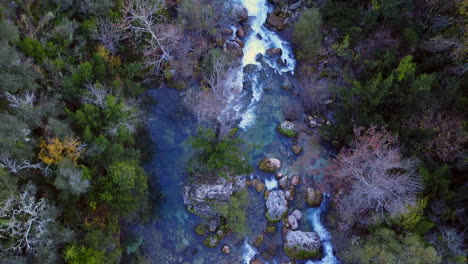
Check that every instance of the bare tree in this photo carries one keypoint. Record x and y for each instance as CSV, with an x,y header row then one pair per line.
x,y
14,166
21,101
25,222
374,180
146,23
210,105
448,137
449,243
314,92
109,34
96,95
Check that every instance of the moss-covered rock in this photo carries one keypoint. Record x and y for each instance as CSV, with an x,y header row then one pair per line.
x,y
259,240
313,197
302,245
286,128
271,229
200,229
269,165
211,241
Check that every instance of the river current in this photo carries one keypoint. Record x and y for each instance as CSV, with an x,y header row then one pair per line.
x,y
265,88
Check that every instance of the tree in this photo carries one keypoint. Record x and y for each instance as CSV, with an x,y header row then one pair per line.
x,y
449,243
75,254
209,104
146,22
109,34
314,92
307,34
124,187
234,213
54,150
24,222
375,180
15,138
205,16
385,246
217,157
70,178
446,134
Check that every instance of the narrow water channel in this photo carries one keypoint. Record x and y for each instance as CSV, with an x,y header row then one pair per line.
x,y
266,88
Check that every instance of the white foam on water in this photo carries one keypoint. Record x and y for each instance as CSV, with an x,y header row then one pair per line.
x,y
271,184
248,252
257,42
313,217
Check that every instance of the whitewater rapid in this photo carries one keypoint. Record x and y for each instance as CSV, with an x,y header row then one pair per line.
x,y
313,217
258,41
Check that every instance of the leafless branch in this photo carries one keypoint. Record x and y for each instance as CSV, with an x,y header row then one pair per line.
x,y
21,101
14,166
25,221
109,35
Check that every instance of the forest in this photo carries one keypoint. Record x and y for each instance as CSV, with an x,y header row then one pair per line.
x,y
386,78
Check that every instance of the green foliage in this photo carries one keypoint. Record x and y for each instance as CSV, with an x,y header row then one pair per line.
x,y
124,187
385,246
437,182
15,137
406,68
33,48
413,217
75,254
234,213
223,157
7,184
307,34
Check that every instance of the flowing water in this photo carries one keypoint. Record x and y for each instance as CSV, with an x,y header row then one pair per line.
x,y
170,238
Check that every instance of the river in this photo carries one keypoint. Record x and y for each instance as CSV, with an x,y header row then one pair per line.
x,y
267,85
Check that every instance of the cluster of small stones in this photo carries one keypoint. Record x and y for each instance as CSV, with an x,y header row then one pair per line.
x,y
317,121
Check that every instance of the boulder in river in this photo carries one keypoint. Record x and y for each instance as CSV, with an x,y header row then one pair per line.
x,y
276,205
292,221
274,52
287,128
275,22
296,149
242,15
211,241
296,180
313,197
202,198
302,245
200,229
297,214
269,164
258,185
283,182
225,249
240,33
226,31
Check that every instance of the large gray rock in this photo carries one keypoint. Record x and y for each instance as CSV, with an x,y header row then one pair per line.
x,y
297,214
276,205
200,198
292,221
302,245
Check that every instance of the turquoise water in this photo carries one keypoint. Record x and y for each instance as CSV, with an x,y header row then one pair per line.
x,y
267,88
171,237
